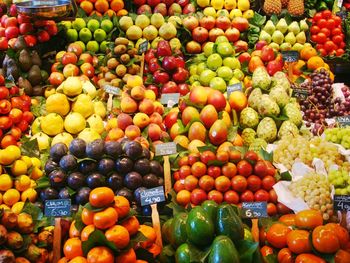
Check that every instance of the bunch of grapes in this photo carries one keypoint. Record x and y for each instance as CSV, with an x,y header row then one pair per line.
x,y
339,136
315,190
341,180
290,148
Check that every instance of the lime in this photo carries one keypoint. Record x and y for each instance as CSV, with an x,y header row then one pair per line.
x,y
104,46
107,25
82,44
93,25
92,46
100,35
78,24
85,35
72,35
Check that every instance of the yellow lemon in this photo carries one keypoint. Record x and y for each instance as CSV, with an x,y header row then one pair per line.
x,y
22,183
5,182
29,194
17,207
248,14
19,167
235,13
36,162
74,123
57,103
11,197
52,124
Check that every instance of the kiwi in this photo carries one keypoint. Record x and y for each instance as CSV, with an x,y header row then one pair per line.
x,y
25,61
34,75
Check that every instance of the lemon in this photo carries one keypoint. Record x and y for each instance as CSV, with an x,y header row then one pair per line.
x,y
248,14
89,135
19,167
29,194
74,123
43,140
27,160
83,105
203,3
72,86
36,125
36,173
52,124
22,183
217,4
100,109
36,162
96,123
64,137
57,103
235,13
11,197
17,207
5,182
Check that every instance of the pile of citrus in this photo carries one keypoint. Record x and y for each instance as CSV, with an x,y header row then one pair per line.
x,y
103,7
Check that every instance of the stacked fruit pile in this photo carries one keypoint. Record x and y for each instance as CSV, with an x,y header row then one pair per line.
x,y
103,7
170,7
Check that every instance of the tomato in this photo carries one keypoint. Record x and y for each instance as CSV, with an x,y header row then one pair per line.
x,y
314,38
340,232
326,31
326,14
337,39
17,102
342,45
2,80
22,125
317,17
314,30
308,258
323,52
266,250
321,37
298,241
271,209
342,256
285,256
273,196
5,106
340,52
322,23
329,46
26,98
277,235
336,31
308,219
330,24
5,122
324,240
288,219
337,20
4,92
318,46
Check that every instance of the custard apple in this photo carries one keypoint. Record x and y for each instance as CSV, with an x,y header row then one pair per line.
x,y
288,128
293,113
261,79
280,79
249,118
257,144
248,136
279,95
254,98
267,106
267,129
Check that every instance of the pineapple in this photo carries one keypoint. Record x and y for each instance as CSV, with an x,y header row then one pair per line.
x,y
285,3
296,7
272,7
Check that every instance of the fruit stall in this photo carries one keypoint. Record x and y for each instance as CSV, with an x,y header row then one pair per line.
x,y
174,131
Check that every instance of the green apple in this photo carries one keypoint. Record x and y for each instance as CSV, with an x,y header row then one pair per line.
x,y
206,76
194,78
218,84
200,67
221,39
234,80
107,25
79,24
208,48
100,35
225,72
232,63
238,74
93,25
214,61
85,35
193,70
225,49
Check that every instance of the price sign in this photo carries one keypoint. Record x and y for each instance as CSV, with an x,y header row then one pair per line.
x,y
234,87
341,202
340,3
300,93
143,47
111,89
290,56
152,196
167,148
254,209
57,207
343,120
170,99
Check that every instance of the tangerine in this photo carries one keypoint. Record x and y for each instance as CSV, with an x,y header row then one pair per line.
x,y
100,255
87,6
105,218
85,233
132,225
101,196
117,5
78,260
87,216
315,62
128,256
150,234
122,206
308,52
73,231
72,248
101,6
119,235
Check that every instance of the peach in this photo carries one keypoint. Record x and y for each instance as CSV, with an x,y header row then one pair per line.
x,y
208,115
238,100
128,105
132,132
154,131
146,106
143,141
134,81
158,107
70,70
197,131
115,134
156,118
198,95
138,92
225,147
141,120
111,123
174,131
124,120
149,94
188,114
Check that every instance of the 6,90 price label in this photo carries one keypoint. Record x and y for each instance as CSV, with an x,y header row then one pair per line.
x,y
254,209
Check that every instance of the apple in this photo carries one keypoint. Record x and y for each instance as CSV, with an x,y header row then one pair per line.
x,y
183,3
13,10
193,47
87,69
86,58
69,58
217,99
160,77
190,22
170,87
154,88
200,34
184,89
70,70
153,65
260,44
3,20
208,22
169,63
11,32
163,48
240,23
2,31
180,62
240,46
171,118
151,53
161,9
153,3
215,33
11,21
30,40
43,36
273,66
189,9
139,2
223,22
267,54
174,9
23,19
232,34
144,9
181,75
244,57
3,43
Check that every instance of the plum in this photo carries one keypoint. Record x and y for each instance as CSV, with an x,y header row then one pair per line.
x,y
68,163
63,193
124,165
105,166
48,194
142,166
50,166
57,151
126,193
146,210
132,180
82,197
150,180
77,148
87,166
133,150
115,181
156,168
95,149
76,180
95,180
113,149
146,153
137,194
58,179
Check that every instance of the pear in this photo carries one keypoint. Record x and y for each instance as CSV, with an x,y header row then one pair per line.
x,y
269,27
297,47
90,89
301,37
282,25
290,38
303,25
167,31
83,105
285,47
274,46
294,27
277,37
265,36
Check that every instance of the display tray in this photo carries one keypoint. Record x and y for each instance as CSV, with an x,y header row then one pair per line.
x,y
47,9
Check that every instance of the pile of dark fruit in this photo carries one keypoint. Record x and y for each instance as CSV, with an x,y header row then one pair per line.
x,y
125,166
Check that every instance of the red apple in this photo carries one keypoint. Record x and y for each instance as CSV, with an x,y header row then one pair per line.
x,y
69,58
87,69
223,22
267,54
3,43
3,20
70,70
232,34
189,9
154,88
151,53
190,22
273,66
169,63
214,33
193,47
181,75
207,22
170,87
11,21
240,23
11,32
180,62
217,99
160,77
170,119
13,10
153,3
43,36
244,57
200,34
86,58
240,46
161,9
183,3
144,9
139,2
260,44
2,31
183,89
25,28
174,9
30,40
153,65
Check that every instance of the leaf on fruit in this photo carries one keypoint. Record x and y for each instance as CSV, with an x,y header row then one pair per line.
x,y
232,132
182,128
42,182
246,250
211,148
242,149
31,209
79,225
71,192
274,19
88,206
97,238
39,109
30,148
257,20
145,133
137,238
286,176
266,155
272,258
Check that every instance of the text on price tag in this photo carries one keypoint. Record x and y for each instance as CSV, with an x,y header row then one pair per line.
x,y
300,93
170,99
111,89
341,202
343,120
143,47
254,209
290,56
152,196
167,148
234,87
57,207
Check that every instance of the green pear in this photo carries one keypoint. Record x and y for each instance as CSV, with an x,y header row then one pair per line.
x,y
277,37
303,25
269,27
285,47
274,46
290,38
294,27
282,25
297,47
301,37
265,36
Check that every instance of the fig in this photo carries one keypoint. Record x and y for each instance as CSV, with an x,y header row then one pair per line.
x,y
113,149
133,150
76,180
77,148
132,180
105,166
6,256
115,181
25,223
82,196
124,165
9,219
142,166
14,240
68,163
57,151
95,149
87,166
3,234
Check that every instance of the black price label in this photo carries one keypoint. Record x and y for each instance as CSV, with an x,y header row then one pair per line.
x,y
167,148
234,87
341,202
57,207
290,56
343,120
254,209
170,99
111,89
300,93
143,47
152,196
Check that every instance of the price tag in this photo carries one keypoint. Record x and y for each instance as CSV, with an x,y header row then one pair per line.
x,y
143,47
290,56
254,209
111,89
343,120
341,202
167,148
234,87
340,3
300,93
170,99
57,207
152,196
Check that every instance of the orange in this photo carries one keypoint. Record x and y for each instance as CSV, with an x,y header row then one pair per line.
x,y
85,233
122,12
101,196
87,216
308,258
119,235
150,234
87,6
132,225
100,255
121,204
183,197
101,6
308,219
95,13
73,231
117,5
72,248
315,62
307,52
105,218
277,235
78,260
109,13
128,256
